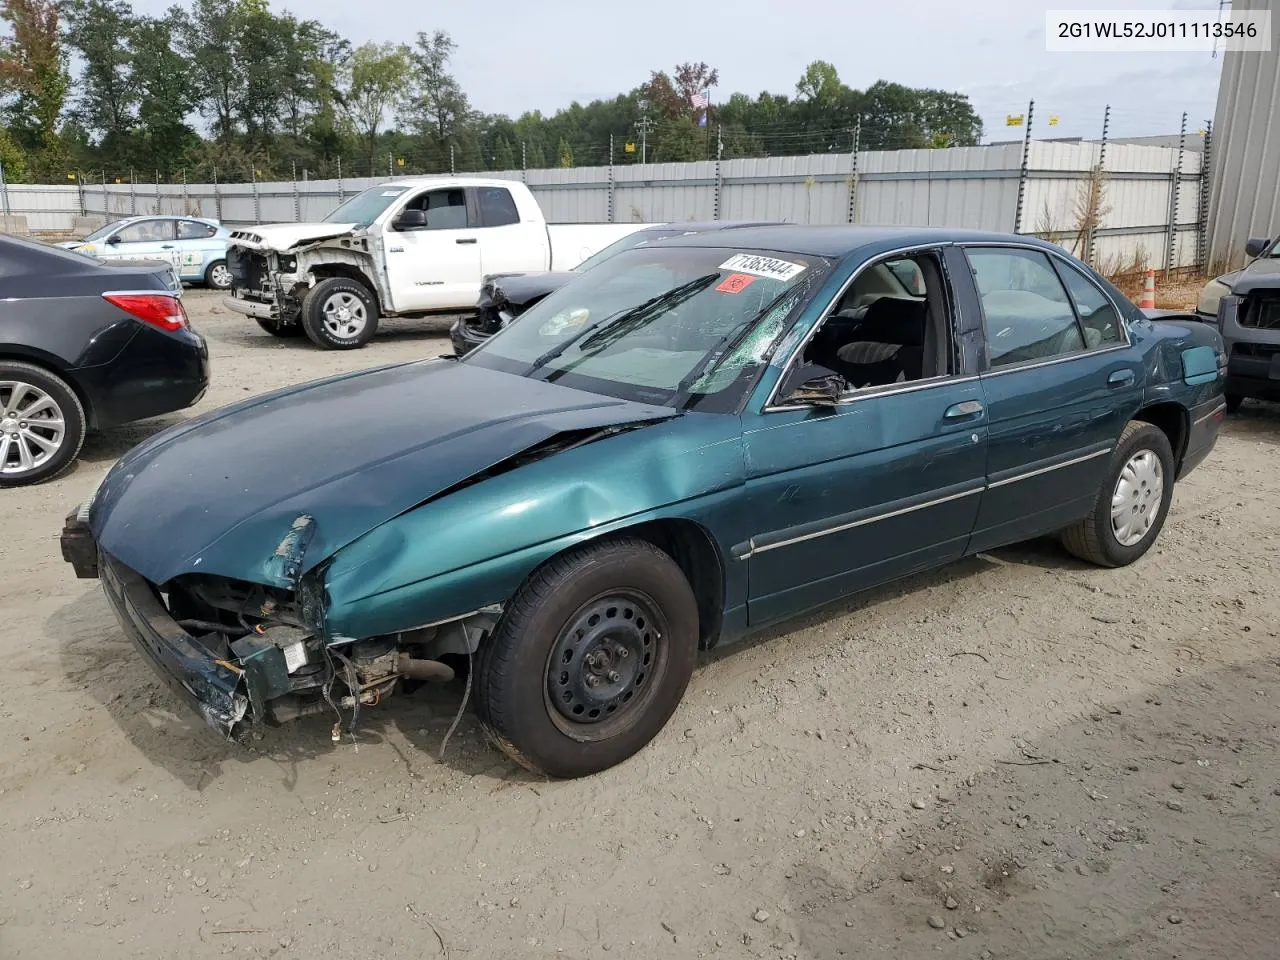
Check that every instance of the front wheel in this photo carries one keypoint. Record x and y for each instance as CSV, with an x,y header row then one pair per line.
x,y
278,328
590,658
1133,502
339,314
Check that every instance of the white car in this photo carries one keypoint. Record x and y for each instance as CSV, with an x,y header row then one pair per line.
x,y
404,248
196,247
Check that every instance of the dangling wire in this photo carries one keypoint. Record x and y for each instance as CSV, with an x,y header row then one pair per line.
x,y
466,693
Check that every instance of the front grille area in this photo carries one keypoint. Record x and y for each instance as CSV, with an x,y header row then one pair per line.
x,y
1261,313
1260,351
248,269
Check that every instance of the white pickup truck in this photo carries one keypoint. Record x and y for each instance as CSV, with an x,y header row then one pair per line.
x,y
404,248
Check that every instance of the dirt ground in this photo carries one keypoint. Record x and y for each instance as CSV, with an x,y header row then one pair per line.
x,y
1017,757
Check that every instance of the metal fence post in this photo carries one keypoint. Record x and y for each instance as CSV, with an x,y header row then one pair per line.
x,y
1091,256
257,202
1175,190
1202,217
157,192
611,178
4,188
84,211
853,173
186,205
217,196
297,204
106,208
342,194
524,161
391,173
451,166
1022,172
133,192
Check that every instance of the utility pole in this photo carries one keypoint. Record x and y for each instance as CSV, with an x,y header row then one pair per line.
x,y
644,125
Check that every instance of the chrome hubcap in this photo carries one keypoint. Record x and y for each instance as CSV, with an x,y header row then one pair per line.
x,y
221,276
344,315
1135,503
31,427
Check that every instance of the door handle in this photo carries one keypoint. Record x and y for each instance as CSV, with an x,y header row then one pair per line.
x,y
965,410
467,240
1120,378
167,246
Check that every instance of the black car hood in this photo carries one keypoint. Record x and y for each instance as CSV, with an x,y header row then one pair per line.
x,y
220,494
518,289
1262,274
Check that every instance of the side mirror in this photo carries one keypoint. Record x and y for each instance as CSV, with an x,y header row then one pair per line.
x,y
411,220
1257,246
113,239
824,391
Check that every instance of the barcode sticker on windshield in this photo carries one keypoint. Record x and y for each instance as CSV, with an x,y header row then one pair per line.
x,y
763,266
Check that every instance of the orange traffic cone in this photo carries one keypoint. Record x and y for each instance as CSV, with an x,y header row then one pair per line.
x,y
1148,301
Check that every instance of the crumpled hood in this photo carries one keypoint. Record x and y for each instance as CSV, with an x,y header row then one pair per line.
x,y
218,494
284,236
518,289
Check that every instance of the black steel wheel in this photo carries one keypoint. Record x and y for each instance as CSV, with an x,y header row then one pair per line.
x,y
590,659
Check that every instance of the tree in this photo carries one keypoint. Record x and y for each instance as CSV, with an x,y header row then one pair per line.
x,y
106,99
207,39
33,71
504,157
564,153
436,103
165,95
694,78
680,140
819,84
378,78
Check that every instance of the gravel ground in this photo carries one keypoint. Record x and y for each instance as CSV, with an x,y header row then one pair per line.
x,y
1018,756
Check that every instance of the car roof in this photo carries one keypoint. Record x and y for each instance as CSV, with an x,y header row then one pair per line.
x,y
161,216
841,241
706,226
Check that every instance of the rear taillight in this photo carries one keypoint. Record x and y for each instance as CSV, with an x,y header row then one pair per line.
x,y
161,310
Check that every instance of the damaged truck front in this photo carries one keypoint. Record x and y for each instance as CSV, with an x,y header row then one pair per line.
x,y
405,248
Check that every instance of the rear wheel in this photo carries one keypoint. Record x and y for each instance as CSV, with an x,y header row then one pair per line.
x,y
590,659
279,329
339,314
1133,502
218,276
42,424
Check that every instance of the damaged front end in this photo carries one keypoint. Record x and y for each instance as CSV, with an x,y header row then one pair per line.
x,y
242,654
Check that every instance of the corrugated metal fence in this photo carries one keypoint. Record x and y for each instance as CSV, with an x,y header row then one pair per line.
x,y
1150,208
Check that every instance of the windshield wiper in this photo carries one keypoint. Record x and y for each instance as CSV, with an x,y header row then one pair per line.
x,y
725,346
685,289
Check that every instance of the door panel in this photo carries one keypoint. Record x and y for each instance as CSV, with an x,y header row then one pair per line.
x,y
876,489
508,244
1058,391
437,267
153,239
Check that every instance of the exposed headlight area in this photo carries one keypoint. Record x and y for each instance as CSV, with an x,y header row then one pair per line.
x,y
1211,296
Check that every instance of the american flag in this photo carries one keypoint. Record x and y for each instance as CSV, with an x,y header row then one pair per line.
x,y
699,100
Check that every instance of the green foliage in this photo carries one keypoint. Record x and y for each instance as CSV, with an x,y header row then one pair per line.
x,y
236,85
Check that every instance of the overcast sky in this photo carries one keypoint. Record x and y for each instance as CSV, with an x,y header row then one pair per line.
x,y
514,55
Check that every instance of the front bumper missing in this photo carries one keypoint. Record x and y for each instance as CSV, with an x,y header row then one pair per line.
x,y
207,684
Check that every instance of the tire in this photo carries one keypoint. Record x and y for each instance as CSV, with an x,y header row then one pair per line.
x,y
285,331
1095,538
218,277
336,305
646,606
1233,402
40,395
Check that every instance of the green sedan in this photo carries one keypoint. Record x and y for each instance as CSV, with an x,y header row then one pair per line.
x,y
694,441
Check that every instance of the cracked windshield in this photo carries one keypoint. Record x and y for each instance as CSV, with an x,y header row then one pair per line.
x,y
670,326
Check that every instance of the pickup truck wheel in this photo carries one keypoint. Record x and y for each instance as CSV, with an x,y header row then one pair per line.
x,y
42,424
339,314
278,329
1133,502
590,658
218,276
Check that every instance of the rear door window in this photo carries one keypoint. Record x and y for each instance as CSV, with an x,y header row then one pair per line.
x,y
497,207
